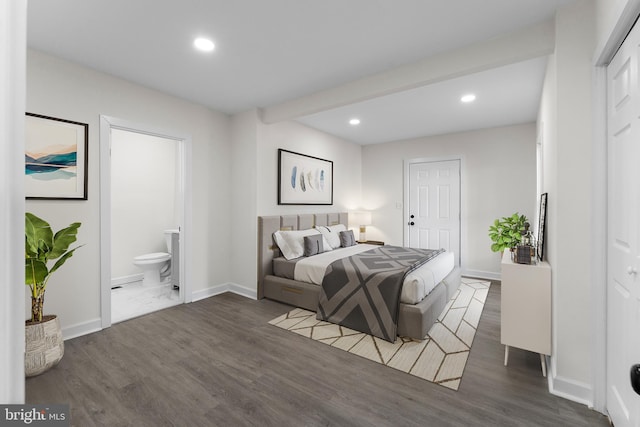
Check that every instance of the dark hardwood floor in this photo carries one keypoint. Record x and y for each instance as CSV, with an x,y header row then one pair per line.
x,y
217,362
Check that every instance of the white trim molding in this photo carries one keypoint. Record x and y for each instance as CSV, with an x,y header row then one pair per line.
x,y
627,17
186,202
95,325
221,289
79,329
119,281
571,390
481,274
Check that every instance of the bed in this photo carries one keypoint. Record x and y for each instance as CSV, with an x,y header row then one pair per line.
x,y
415,318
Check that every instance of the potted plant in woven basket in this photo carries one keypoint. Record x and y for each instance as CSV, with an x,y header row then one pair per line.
x,y
44,344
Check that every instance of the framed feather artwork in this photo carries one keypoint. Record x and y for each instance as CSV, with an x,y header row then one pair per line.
x,y
303,179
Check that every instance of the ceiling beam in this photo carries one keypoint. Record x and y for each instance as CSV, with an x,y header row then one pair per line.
x,y
529,43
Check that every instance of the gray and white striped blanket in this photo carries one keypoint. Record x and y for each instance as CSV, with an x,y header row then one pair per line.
x,y
362,292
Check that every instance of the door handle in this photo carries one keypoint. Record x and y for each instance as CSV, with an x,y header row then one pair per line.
x,y
412,223
635,378
412,216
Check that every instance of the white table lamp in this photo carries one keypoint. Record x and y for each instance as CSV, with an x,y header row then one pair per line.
x,y
361,219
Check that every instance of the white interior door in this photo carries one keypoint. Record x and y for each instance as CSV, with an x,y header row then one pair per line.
x,y
623,283
434,206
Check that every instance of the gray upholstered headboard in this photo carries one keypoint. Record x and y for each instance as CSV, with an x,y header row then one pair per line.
x,y
267,225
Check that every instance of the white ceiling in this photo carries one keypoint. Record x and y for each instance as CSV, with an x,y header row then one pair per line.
x,y
504,96
269,52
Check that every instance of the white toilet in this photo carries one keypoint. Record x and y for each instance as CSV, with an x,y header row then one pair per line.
x,y
154,263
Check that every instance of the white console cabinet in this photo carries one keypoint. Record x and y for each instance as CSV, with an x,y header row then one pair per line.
x,y
525,319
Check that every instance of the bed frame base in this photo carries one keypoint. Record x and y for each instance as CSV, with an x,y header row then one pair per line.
x,y
414,320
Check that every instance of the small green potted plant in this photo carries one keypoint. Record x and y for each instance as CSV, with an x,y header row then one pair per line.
x,y
505,233
44,344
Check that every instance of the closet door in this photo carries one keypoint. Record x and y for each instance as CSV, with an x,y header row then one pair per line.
x,y
623,283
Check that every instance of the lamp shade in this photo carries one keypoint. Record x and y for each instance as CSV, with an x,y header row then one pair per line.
x,y
360,218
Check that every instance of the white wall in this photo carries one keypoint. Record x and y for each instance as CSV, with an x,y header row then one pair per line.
x,y
608,12
58,88
254,182
13,42
498,178
567,111
293,136
547,126
244,182
143,197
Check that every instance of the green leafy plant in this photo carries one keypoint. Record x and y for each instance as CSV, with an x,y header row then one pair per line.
x,y
506,232
42,246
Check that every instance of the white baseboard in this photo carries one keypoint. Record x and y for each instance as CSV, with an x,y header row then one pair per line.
x,y
481,274
571,390
242,291
80,329
119,281
95,325
220,289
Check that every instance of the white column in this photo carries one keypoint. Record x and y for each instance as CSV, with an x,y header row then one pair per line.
x,y
13,44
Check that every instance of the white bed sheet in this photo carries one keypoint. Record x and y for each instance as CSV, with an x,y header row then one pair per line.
x,y
417,284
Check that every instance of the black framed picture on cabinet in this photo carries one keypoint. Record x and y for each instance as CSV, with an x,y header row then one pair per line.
x,y
542,220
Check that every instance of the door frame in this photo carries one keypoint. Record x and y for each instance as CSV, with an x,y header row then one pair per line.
x,y
599,253
184,201
405,211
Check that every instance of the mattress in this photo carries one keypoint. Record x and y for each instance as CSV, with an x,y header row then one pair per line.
x,y
417,284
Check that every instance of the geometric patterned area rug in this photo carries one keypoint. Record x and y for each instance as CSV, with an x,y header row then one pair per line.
x,y
440,357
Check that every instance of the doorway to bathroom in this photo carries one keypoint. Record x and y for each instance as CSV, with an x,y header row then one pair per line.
x,y
144,211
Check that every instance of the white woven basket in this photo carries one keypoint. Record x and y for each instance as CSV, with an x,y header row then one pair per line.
x,y
44,346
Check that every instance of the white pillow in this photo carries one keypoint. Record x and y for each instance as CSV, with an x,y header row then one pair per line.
x,y
331,234
291,243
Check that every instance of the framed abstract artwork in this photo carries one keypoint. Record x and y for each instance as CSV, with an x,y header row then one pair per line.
x,y
542,220
56,157
304,180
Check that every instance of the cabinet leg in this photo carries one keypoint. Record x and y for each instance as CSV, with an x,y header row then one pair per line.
x,y
506,355
543,363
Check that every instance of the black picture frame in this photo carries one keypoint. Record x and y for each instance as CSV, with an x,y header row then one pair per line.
x,y
542,221
56,158
304,179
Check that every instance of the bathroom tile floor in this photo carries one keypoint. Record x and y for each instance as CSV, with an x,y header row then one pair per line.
x,y
133,300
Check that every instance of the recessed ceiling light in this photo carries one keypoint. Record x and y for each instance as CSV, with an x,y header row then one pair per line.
x,y
354,122
203,44
468,98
